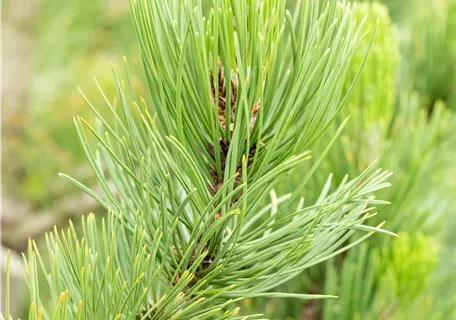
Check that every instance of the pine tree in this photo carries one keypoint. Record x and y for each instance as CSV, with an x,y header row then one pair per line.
x,y
239,98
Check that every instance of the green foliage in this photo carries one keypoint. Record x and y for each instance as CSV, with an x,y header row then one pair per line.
x,y
240,98
418,148
430,46
110,271
372,102
280,74
371,106
406,268
383,284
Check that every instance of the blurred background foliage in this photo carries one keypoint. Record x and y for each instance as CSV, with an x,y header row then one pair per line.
x,y
401,114
75,41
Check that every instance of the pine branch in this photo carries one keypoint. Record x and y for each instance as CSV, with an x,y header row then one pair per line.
x,y
241,97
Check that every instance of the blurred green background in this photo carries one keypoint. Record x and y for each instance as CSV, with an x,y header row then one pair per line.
x,y
50,47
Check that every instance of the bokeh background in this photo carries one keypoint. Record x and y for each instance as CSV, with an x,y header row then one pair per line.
x,y
50,47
